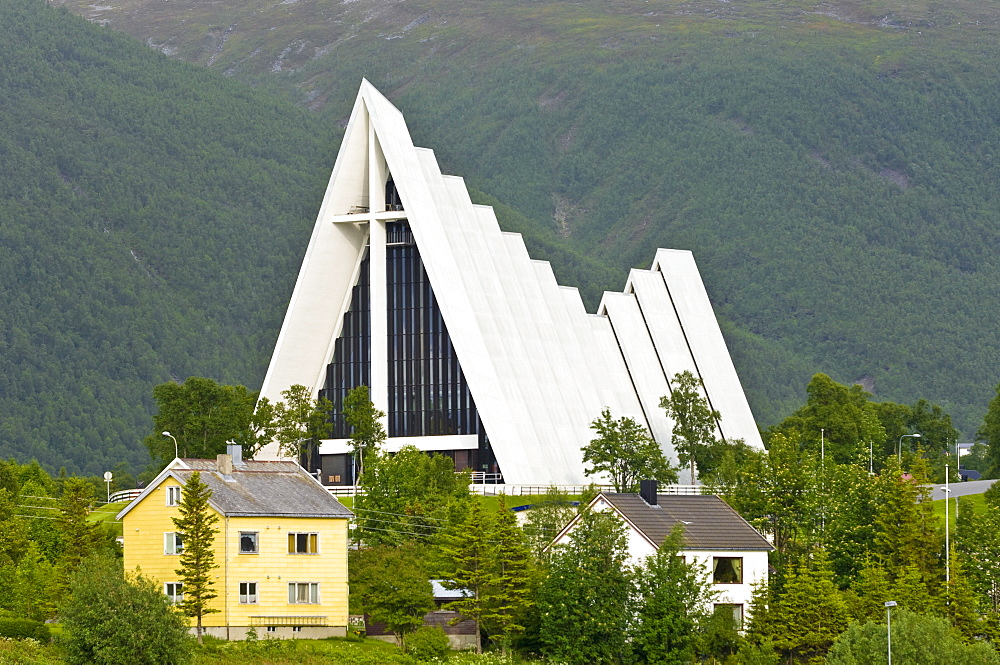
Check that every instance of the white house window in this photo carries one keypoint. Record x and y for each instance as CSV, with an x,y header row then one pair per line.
x,y
303,592
272,629
174,592
734,611
173,495
248,542
303,543
296,629
172,543
248,593
727,570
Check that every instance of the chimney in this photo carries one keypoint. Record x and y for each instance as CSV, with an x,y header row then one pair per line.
x,y
647,490
235,451
224,463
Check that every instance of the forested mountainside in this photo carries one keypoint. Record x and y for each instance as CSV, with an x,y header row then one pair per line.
x,y
153,215
832,165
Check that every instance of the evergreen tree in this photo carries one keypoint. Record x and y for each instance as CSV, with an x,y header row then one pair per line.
x,y
695,422
586,602
989,433
626,452
674,597
905,523
197,531
508,593
472,553
807,615
80,537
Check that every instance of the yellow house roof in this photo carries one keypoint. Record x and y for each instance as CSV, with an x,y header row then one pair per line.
x,y
254,488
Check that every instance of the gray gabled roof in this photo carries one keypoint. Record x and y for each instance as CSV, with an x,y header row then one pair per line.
x,y
256,489
709,523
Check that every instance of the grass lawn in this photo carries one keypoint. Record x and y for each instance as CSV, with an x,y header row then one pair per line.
x,y
974,502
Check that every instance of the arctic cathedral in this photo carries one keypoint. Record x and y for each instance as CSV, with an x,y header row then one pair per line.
x,y
470,346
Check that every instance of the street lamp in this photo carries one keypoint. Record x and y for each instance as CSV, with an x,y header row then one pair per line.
x,y
175,443
889,604
899,446
947,544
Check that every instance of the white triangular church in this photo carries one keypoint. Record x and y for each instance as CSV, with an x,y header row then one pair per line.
x,y
468,345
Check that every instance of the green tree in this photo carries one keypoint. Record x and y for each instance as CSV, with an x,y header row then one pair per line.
x,y
409,495
391,585
847,419
776,491
202,415
674,600
507,595
626,452
695,422
117,618
301,421
471,553
806,615
916,640
196,527
585,602
906,529
989,433
79,536
367,432
549,513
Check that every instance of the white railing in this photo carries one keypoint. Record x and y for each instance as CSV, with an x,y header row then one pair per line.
x,y
125,495
490,489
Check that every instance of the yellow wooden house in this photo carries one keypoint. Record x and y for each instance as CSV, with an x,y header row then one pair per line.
x,y
281,549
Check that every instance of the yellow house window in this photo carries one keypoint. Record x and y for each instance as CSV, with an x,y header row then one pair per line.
x,y
173,495
248,593
248,542
172,543
174,592
303,543
303,592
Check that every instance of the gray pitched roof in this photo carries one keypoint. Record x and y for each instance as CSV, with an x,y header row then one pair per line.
x,y
709,522
274,489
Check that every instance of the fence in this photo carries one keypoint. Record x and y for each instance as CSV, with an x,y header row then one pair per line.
x,y
490,489
125,495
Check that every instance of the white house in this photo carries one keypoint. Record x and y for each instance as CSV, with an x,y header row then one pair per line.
x,y
470,346
731,551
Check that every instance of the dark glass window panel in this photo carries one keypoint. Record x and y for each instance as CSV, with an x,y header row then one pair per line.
x,y
248,542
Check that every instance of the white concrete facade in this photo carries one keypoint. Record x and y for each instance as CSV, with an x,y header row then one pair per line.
x,y
539,367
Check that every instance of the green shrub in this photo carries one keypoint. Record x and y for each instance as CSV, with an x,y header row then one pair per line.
x,y
113,618
428,643
22,628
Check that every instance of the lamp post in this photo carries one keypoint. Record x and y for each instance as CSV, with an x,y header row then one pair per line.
x,y
899,446
889,604
947,545
175,443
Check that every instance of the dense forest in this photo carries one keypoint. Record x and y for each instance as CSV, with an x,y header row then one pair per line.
x,y
832,166
153,215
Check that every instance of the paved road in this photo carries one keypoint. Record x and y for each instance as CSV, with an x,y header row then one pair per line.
x,y
961,489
